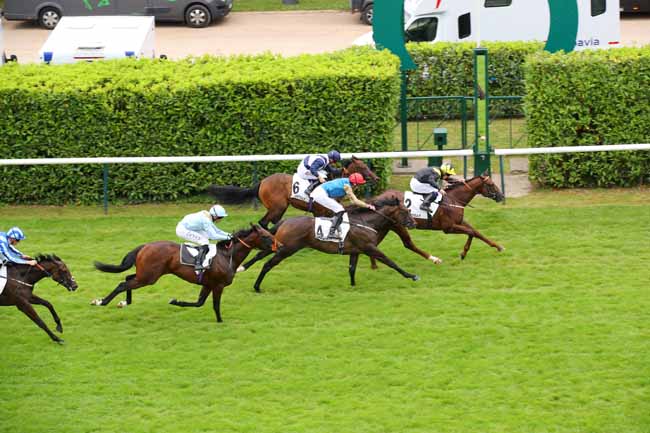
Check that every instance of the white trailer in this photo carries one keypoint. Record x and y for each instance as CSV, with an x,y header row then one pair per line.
x,y
86,39
504,20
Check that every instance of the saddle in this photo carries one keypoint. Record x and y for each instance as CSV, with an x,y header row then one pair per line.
x,y
3,277
189,252
322,229
412,202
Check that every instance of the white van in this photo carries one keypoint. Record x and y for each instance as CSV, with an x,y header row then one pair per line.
x,y
86,39
504,20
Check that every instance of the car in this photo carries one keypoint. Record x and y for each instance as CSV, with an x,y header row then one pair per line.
x,y
194,13
365,7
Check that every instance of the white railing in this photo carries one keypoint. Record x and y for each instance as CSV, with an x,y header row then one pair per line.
x,y
570,149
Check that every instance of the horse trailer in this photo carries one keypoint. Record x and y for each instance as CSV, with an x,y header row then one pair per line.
x,y
195,13
86,39
504,20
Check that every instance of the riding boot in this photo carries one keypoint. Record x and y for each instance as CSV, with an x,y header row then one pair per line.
x,y
426,203
312,186
336,222
203,251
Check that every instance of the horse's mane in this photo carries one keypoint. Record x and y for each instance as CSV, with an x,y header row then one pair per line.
x,y
240,234
456,184
47,258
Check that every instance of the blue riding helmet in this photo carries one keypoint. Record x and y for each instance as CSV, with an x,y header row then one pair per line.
x,y
16,233
334,155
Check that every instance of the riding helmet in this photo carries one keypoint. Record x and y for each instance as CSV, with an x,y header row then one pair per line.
x,y
357,179
334,155
447,168
217,211
16,233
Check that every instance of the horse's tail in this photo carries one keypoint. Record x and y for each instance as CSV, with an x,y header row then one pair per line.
x,y
233,194
127,262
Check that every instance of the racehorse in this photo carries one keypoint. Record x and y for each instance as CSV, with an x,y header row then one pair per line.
x,y
19,288
367,229
275,191
156,259
450,214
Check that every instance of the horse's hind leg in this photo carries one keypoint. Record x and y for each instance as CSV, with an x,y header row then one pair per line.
x,y
40,301
203,295
467,229
468,244
130,284
280,255
354,258
29,311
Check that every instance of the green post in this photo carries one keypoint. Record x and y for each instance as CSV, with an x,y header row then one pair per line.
x,y
481,113
105,176
440,140
403,110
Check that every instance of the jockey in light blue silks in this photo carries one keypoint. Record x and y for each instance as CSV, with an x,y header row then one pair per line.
x,y
8,250
316,168
199,228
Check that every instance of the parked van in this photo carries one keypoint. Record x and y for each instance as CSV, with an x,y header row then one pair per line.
x,y
635,5
504,20
195,13
87,39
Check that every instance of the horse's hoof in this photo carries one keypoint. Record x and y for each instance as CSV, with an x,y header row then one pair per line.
x,y
97,301
501,249
60,341
462,257
258,290
435,260
241,269
59,328
415,278
122,304
173,301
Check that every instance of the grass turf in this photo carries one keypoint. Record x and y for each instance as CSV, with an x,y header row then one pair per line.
x,y
549,336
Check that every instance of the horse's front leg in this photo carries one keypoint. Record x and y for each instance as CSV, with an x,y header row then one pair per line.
x,y
216,301
353,267
280,255
373,251
29,311
470,231
203,295
40,301
407,241
259,256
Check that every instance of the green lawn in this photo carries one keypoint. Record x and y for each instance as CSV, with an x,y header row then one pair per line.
x,y
549,336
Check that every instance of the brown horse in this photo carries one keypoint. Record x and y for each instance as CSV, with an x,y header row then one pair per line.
x,y
450,214
367,229
275,191
156,259
19,288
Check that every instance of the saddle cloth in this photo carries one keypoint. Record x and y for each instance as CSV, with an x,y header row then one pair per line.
x,y
3,277
413,201
189,252
322,229
298,187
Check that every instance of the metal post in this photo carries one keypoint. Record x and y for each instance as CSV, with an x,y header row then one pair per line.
x,y
503,182
105,176
481,113
404,119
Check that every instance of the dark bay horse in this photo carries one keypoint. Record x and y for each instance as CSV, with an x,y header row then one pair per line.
x,y
19,290
367,229
156,259
275,191
450,215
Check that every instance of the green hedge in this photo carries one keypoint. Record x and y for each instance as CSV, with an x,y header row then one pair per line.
x,y
204,106
447,69
589,98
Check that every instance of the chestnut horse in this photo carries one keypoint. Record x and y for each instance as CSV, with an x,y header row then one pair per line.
x,y
275,191
19,288
156,259
367,229
450,214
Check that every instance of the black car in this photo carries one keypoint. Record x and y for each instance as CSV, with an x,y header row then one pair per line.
x,y
365,7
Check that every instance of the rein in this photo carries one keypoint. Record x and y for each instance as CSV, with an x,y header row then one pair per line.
x,y
27,273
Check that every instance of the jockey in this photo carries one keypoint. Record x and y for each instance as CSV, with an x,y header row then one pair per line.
x,y
200,227
426,180
8,250
315,168
326,194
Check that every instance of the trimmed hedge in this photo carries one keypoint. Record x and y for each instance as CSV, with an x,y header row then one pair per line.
x,y
589,98
447,69
203,106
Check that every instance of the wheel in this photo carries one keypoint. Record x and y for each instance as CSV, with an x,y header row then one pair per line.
x,y
49,17
12,58
366,15
197,16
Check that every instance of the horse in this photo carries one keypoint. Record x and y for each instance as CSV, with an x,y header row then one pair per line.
x,y
450,214
275,191
367,229
155,259
19,288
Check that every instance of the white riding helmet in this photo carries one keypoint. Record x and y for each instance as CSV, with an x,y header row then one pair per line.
x,y
217,211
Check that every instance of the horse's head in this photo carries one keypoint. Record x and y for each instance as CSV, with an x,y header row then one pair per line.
x,y
261,238
394,209
57,270
356,165
489,189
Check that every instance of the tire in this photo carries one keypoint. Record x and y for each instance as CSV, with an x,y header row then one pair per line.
x,y
13,58
49,17
197,16
366,15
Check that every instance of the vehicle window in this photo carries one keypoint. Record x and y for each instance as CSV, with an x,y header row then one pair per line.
x,y
422,30
598,7
464,26
497,3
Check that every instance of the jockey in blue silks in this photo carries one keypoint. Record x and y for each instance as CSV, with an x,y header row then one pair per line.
x,y
315,168
8,250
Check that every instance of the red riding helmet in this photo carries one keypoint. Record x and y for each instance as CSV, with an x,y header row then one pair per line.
x,y
357,179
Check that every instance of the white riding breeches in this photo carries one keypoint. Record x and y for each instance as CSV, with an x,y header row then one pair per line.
x,y
320,196
421,188
198,238
304,172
